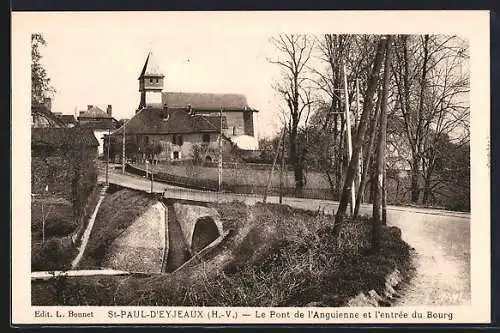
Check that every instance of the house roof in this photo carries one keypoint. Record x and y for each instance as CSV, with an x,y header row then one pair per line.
x,y
94,112
43,117
205,101
151,67
106,123
161,121
67,119
63,137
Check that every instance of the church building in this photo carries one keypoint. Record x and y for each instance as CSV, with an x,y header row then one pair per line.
x,y
187,125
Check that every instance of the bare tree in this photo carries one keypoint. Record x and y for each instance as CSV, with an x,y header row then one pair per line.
x,y
360,134
356,52
295,53
432,93
381,150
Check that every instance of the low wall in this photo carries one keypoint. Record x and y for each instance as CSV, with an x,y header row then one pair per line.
x,y
142,246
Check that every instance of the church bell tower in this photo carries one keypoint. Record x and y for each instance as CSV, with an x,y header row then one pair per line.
x,y
150,83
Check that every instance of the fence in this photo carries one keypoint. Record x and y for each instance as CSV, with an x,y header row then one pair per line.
x,y
239,178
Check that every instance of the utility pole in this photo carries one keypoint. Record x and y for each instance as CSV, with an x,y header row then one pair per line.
x,y
358,112
220,153
43,225
349,139
123,150
152,164
282,167
272,168
107,157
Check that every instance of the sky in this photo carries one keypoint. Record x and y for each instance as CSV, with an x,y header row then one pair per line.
x,y
96,57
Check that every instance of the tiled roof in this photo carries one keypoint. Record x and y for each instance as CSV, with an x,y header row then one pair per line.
x,y
161,121
94,112
63,137
67,119
205,101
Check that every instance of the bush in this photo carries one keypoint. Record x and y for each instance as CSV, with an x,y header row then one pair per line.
x,y
54,254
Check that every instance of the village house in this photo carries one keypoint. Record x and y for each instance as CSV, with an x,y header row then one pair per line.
x,y
186,125
67,119
100,122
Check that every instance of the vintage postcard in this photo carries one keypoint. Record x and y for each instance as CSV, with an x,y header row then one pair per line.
x,y
250,167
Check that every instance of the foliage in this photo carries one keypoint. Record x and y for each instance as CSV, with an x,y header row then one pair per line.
x,y
40,82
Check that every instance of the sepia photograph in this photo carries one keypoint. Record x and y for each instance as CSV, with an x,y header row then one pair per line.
x,y
175,162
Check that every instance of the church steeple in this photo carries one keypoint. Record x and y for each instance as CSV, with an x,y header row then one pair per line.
x,y
150,83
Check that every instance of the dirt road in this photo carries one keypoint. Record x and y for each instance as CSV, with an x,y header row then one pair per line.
x,y
442,258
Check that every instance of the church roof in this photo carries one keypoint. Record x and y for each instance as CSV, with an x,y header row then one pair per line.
x,y
205,101
151,67
161,121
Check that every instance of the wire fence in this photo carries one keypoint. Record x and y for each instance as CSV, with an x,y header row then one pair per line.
x,y
242,178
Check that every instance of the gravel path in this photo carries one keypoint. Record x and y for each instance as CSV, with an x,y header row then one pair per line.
x,y
442,258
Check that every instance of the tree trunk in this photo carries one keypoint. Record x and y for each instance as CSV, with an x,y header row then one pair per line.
x,y
380,165
341,154
352,170
384,198
427,189
368,160
415,174
297,163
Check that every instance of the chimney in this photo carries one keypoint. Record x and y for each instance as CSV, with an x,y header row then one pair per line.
x,y
109,110
89,107
48,103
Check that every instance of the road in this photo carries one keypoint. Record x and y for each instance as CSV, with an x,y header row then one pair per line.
x,y
441,239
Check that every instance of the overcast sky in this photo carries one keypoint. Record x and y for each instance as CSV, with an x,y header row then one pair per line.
x,y
96,57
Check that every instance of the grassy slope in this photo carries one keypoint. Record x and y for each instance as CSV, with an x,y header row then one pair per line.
x,y
275,256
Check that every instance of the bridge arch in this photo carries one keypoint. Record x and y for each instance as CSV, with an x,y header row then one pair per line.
x,y
205,232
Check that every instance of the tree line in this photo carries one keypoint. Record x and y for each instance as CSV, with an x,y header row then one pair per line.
x,y
407,97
